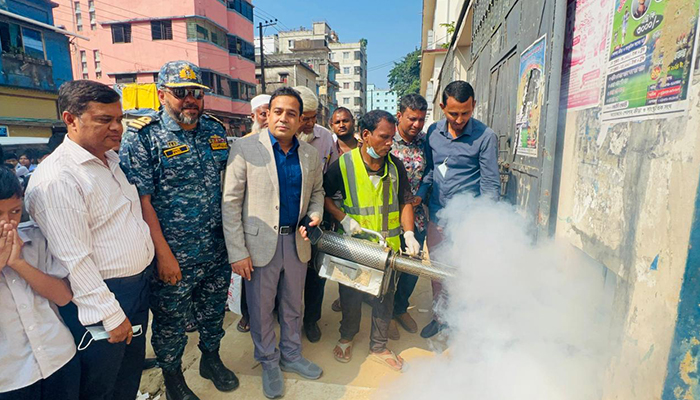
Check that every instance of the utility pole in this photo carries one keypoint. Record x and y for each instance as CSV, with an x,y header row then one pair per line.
x,y
262,51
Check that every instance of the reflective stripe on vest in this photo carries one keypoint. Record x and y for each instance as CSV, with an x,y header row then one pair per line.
x,y
363,201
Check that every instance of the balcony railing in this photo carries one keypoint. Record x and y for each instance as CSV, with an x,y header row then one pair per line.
x,y
24,71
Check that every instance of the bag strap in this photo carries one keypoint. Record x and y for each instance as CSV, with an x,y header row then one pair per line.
x,y
386,186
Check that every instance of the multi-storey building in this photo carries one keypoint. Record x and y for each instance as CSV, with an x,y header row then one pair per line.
x,y
283,73
352,79
381,99
271,44
312,48
438,16
130,40
34,62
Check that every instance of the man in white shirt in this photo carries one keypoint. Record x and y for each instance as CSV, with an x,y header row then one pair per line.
x,y
91,217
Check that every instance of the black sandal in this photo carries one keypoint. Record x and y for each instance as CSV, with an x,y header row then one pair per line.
x,y
243,326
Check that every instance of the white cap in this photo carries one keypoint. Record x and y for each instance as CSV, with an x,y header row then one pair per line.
x,y
309,98
259,100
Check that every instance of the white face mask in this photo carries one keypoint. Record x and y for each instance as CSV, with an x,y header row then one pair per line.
x,y
99,333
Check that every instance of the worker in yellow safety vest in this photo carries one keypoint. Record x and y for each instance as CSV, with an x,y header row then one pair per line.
x,y
377,196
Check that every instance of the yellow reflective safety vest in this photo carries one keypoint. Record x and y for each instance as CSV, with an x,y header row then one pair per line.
x,y
374,208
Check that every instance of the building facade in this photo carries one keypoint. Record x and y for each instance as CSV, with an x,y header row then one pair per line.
x,y
312,48
271,44
130,40
437,15
34,63
382,99
352,78
287,73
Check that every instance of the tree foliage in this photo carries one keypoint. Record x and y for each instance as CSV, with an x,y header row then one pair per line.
x,y
404,77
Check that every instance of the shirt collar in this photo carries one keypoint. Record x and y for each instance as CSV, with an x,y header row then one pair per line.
x,y
22,230
276,144
468,128
169,121
415,142
79,154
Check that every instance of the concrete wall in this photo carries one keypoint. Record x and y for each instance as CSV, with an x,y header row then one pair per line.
x,y
626,194
627,198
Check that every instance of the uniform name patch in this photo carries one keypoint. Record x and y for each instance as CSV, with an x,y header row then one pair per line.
x,y
176,150
218,143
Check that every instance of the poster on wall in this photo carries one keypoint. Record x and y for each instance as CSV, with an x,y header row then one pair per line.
x,y
530,98
650,61
585,52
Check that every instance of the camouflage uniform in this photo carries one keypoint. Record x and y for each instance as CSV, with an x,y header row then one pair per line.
x,y
182,172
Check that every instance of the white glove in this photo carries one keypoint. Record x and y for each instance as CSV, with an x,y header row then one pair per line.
x,y
350,226
412,245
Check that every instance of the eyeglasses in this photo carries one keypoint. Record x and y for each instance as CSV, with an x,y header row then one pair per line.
x,y
181,93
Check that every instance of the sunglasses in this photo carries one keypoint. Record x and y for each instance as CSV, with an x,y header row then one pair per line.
x,y
181,93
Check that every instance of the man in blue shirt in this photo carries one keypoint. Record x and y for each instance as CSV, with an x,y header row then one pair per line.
x,y
461,156
273,180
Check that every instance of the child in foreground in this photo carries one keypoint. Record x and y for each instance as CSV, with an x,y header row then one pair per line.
x,y
37,351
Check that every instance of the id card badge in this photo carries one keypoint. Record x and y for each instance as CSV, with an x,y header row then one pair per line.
x,y
442,168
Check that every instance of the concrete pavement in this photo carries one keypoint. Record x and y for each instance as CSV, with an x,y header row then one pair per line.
x,y
357,379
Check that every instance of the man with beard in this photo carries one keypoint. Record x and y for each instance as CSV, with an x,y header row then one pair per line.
x,y
343,125
176,159
260,105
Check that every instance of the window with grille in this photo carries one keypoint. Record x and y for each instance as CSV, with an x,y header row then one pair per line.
x,y
98,61
91,12
78,16
121,33
125,78
161,30
242,7
83,63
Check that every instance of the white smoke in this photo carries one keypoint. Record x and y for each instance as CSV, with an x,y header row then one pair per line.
x,y
527,321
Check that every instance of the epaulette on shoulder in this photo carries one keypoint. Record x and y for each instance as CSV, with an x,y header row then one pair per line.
x,y
215,119
138,123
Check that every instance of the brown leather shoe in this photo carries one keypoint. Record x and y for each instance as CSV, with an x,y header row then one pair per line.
x,y
394,331
407,322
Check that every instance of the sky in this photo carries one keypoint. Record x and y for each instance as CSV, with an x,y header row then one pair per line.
x,y
392,27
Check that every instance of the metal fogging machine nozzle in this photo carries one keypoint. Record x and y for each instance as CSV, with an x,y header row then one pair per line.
x,y
366,265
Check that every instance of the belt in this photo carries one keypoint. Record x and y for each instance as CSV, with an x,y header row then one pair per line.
x,y
287,230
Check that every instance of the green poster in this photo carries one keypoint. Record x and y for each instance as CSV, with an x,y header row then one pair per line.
x,y
651,58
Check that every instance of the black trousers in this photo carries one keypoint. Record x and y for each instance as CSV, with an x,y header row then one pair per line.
x,y
313,296
113,371
407,282
63,384
382,311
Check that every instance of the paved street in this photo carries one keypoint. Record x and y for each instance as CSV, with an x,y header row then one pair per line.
x,y
355,380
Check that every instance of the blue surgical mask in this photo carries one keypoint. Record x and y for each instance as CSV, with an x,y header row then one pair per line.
x,y
373,153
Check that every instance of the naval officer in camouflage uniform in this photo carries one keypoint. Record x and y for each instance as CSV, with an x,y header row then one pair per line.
x,y
176,160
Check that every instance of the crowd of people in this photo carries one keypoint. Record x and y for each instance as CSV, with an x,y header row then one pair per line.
x,y
160,224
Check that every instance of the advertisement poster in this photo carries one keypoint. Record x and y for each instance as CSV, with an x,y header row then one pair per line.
x,y
651,59
585,52
530,97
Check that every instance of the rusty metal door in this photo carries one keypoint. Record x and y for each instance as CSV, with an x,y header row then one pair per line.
x,y
502,30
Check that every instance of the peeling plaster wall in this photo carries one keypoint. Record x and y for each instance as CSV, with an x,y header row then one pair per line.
x,y
627,198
